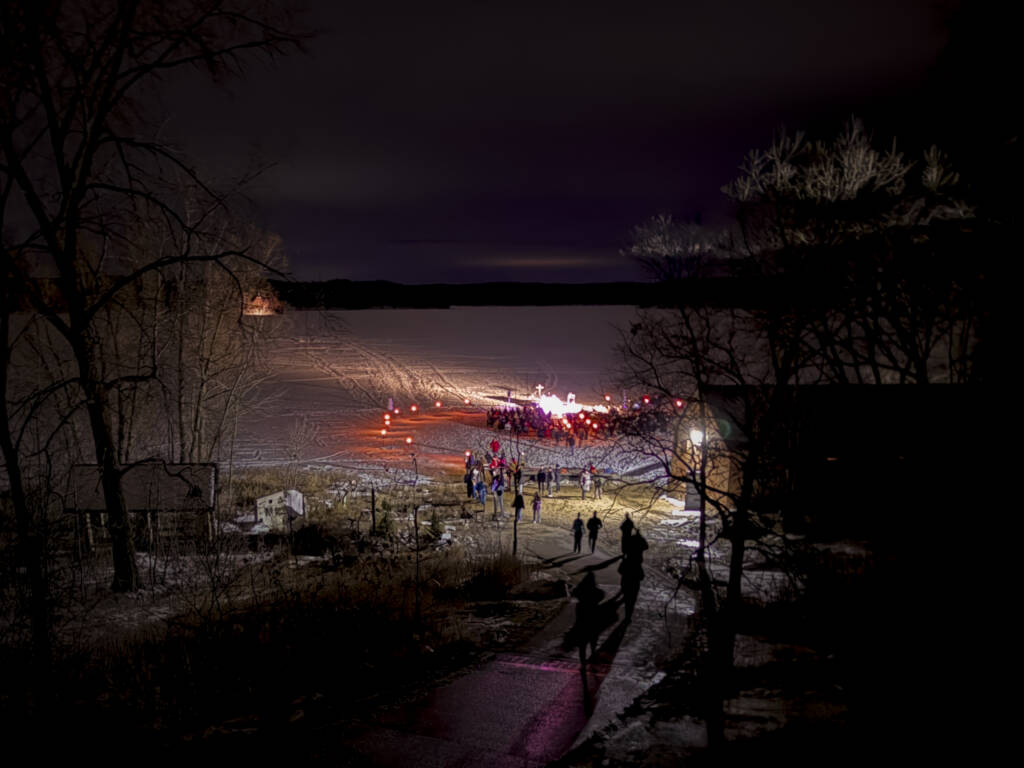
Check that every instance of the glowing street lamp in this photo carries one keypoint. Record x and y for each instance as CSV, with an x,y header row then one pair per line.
x,y
647,400
679,403
414,408
408,441
383,433
437,403
466,401
397,411
608,398
696,437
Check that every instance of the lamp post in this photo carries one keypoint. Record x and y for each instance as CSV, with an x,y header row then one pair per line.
x,y
697,439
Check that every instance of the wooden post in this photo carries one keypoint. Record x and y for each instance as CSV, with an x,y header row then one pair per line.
x,y
373,509
416,544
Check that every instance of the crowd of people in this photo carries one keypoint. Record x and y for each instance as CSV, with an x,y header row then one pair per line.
x,y
495,474
573,429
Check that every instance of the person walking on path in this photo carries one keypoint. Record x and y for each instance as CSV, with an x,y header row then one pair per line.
x,y
593,526
469,483
598,483
577,533
588,598
551,479
536,507
481,492
584,483
632,571
542,478
627,531
558,478
519,504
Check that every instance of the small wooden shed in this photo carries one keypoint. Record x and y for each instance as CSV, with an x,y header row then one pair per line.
x,y
163,500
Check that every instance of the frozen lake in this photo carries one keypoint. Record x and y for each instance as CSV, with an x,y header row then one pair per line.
x,y
334,371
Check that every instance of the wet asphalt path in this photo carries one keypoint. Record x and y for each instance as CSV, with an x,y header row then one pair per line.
x,y
530,706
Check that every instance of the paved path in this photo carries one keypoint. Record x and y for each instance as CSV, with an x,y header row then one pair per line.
x,y
531,705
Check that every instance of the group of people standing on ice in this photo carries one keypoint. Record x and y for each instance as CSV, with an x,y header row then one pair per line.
x,y
533,420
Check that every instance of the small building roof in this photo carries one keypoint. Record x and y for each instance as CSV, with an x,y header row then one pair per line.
x,y
147,487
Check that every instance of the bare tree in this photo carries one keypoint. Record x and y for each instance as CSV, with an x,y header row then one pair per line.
x,y
82,179
858,261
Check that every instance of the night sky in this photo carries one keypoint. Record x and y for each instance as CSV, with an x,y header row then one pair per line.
x,y
464,142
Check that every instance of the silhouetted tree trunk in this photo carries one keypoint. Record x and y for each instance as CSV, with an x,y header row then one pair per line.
x,y
86,181
31,546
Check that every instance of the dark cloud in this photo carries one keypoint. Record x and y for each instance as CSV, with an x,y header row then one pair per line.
x,y
536,121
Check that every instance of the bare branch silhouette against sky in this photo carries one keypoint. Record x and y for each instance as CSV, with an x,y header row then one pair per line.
x,y
461,142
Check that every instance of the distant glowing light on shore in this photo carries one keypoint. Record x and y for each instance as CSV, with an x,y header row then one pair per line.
x,y
383,433
408,441
437,403
414,408
466,401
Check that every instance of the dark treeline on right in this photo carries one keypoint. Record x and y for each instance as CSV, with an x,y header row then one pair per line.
x,y
850,407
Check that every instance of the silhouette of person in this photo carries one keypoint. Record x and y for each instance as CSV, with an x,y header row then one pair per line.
x,y
519,504
627,530
588,597
593,526
577,533
632,572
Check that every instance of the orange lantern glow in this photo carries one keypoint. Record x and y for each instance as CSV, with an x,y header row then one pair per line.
x,y
437,403
408,441
383,432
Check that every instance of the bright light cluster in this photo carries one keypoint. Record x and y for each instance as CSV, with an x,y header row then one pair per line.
x,y
551,404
